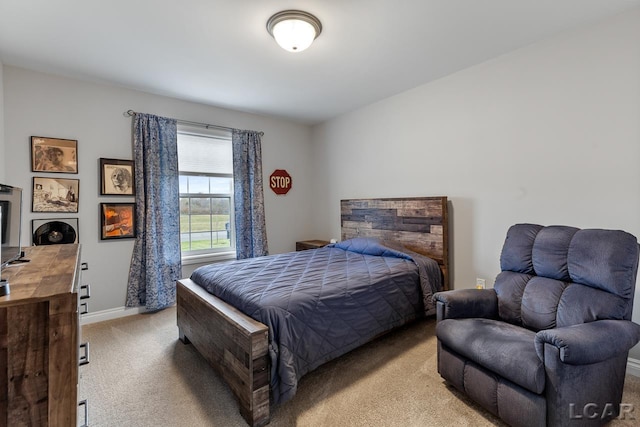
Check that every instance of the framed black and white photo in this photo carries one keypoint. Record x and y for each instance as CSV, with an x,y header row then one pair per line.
x,y
116,177
117,221
54,155
55,195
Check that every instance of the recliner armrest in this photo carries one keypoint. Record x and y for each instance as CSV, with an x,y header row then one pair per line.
x,y
466,303
591,342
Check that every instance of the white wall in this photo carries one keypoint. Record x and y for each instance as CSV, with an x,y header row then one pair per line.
x,y
548,134
46,105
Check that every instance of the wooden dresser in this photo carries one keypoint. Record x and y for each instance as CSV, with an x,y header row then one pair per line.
x,y
39,335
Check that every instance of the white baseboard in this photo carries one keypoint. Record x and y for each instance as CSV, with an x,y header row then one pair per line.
x,y
110,314
633,367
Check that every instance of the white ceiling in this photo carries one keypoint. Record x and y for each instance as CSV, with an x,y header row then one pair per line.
x,y
218,52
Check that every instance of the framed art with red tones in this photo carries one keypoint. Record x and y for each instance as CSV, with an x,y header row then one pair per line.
x,y
117,221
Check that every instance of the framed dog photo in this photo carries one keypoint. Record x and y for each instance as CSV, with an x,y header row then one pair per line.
x,y
55,195
117,221
54,155
116,177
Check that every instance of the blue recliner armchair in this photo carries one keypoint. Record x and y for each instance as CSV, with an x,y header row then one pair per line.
x,y
548,345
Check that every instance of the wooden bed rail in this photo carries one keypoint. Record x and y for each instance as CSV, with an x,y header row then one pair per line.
x,y
234,344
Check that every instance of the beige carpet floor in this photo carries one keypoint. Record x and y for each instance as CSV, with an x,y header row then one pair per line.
x,y
140,374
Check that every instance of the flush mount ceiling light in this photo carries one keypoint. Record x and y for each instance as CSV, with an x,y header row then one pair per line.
x,y
294,30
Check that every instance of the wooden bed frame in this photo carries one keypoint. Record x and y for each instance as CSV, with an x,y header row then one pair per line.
x,y
236,346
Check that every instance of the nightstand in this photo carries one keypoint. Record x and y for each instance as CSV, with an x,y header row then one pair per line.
x,y
310,244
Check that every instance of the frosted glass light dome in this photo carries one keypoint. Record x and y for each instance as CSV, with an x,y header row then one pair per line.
x,y
294,30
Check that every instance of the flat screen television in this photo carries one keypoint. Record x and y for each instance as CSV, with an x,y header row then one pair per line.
x,y
10,223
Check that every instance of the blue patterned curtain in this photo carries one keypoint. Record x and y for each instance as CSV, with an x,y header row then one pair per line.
x,y
156,262
251,231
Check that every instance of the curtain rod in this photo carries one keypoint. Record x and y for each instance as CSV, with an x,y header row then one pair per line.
x,y
132,113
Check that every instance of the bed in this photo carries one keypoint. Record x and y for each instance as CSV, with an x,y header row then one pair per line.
x,y
273,319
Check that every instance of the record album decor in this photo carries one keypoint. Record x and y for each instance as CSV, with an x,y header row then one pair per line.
x,y
116,177
54,155
55,231
117,221
55,195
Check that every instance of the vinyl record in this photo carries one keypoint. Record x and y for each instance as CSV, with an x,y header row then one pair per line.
x,y
54,233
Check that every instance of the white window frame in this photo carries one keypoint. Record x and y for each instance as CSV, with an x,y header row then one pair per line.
x,y
209,255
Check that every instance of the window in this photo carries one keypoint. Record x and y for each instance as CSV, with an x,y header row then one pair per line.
x,y
205,163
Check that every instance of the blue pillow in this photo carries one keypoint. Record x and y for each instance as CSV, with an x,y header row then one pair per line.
x,y
371,246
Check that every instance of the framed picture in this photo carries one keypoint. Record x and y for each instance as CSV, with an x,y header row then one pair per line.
x,y
116,177
55,195
54,155
117,221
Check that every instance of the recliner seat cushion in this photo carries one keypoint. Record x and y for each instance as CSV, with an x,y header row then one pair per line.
x,y
499,347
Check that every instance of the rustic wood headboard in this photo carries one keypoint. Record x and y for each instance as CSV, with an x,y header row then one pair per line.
x,y
419,223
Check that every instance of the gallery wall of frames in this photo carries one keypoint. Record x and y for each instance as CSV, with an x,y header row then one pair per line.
x,y
56,192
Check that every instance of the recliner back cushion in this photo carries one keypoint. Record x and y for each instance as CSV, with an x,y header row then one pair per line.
x,y
604,259
550,252
560,276
517,250
578,305
509,287
540,302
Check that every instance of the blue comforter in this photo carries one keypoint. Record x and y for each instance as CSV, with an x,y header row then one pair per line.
x,y
322,303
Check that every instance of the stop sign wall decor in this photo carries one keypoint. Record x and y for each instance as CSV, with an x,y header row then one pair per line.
x,y
280,181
